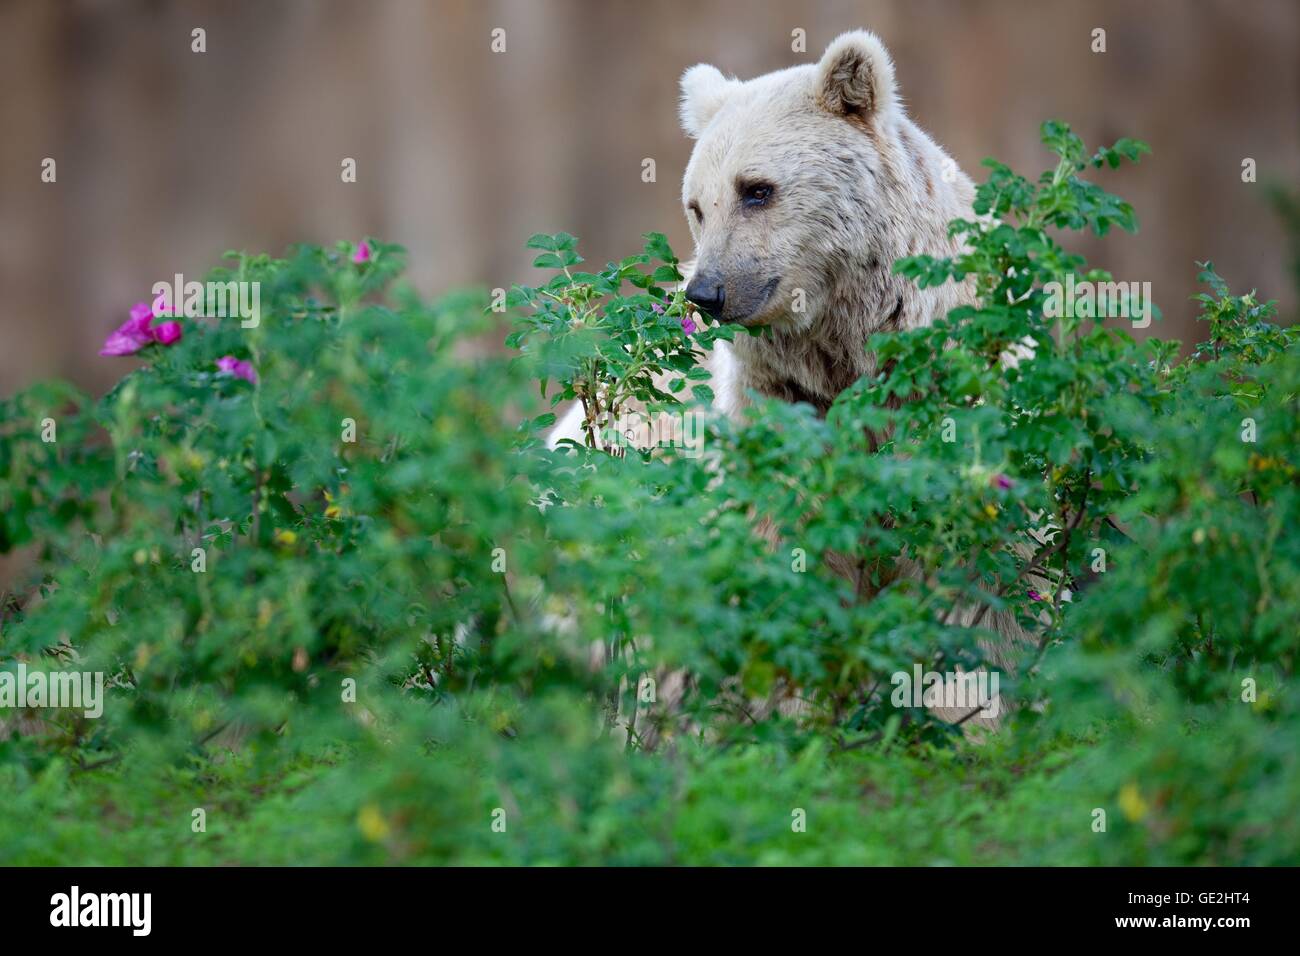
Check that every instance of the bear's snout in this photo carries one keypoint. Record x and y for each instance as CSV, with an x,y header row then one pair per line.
x,y
708,292
736,297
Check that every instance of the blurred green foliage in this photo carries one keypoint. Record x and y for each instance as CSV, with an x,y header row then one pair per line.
x,y
419,635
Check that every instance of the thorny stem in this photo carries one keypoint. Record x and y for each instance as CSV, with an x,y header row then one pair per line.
x,y
1060,543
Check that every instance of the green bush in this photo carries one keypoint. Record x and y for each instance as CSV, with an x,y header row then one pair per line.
x,y
352,606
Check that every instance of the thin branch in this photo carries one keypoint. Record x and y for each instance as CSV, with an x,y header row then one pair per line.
x,y
1061,542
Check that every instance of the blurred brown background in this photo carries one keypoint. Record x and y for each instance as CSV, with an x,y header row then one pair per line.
x,y
167,157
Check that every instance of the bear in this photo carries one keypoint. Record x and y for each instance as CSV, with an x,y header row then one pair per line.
x,y
803,188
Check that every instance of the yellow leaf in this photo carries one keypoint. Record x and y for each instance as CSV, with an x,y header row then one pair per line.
x,y
372,824
1131,803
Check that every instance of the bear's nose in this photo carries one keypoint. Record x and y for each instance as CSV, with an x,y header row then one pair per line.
x,y
706,291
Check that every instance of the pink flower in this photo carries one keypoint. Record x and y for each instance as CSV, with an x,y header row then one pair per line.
x,y
133,334
237,367
167,333
1002,481
657,307
362,254
1035,596
688,325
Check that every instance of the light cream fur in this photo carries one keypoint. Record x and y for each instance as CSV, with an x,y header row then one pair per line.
x,y
858,185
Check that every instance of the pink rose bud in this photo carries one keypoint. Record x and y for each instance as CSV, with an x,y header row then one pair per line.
x,y
362,254
238,368
167,333
1035,596
688,325
1002,481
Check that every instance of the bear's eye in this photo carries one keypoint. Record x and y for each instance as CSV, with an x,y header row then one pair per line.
x,y
695,208
756,194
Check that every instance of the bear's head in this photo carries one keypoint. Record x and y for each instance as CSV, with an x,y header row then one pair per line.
x,y
785,188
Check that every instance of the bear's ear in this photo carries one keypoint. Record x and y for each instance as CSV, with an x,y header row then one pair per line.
x,y
856,76
704,90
